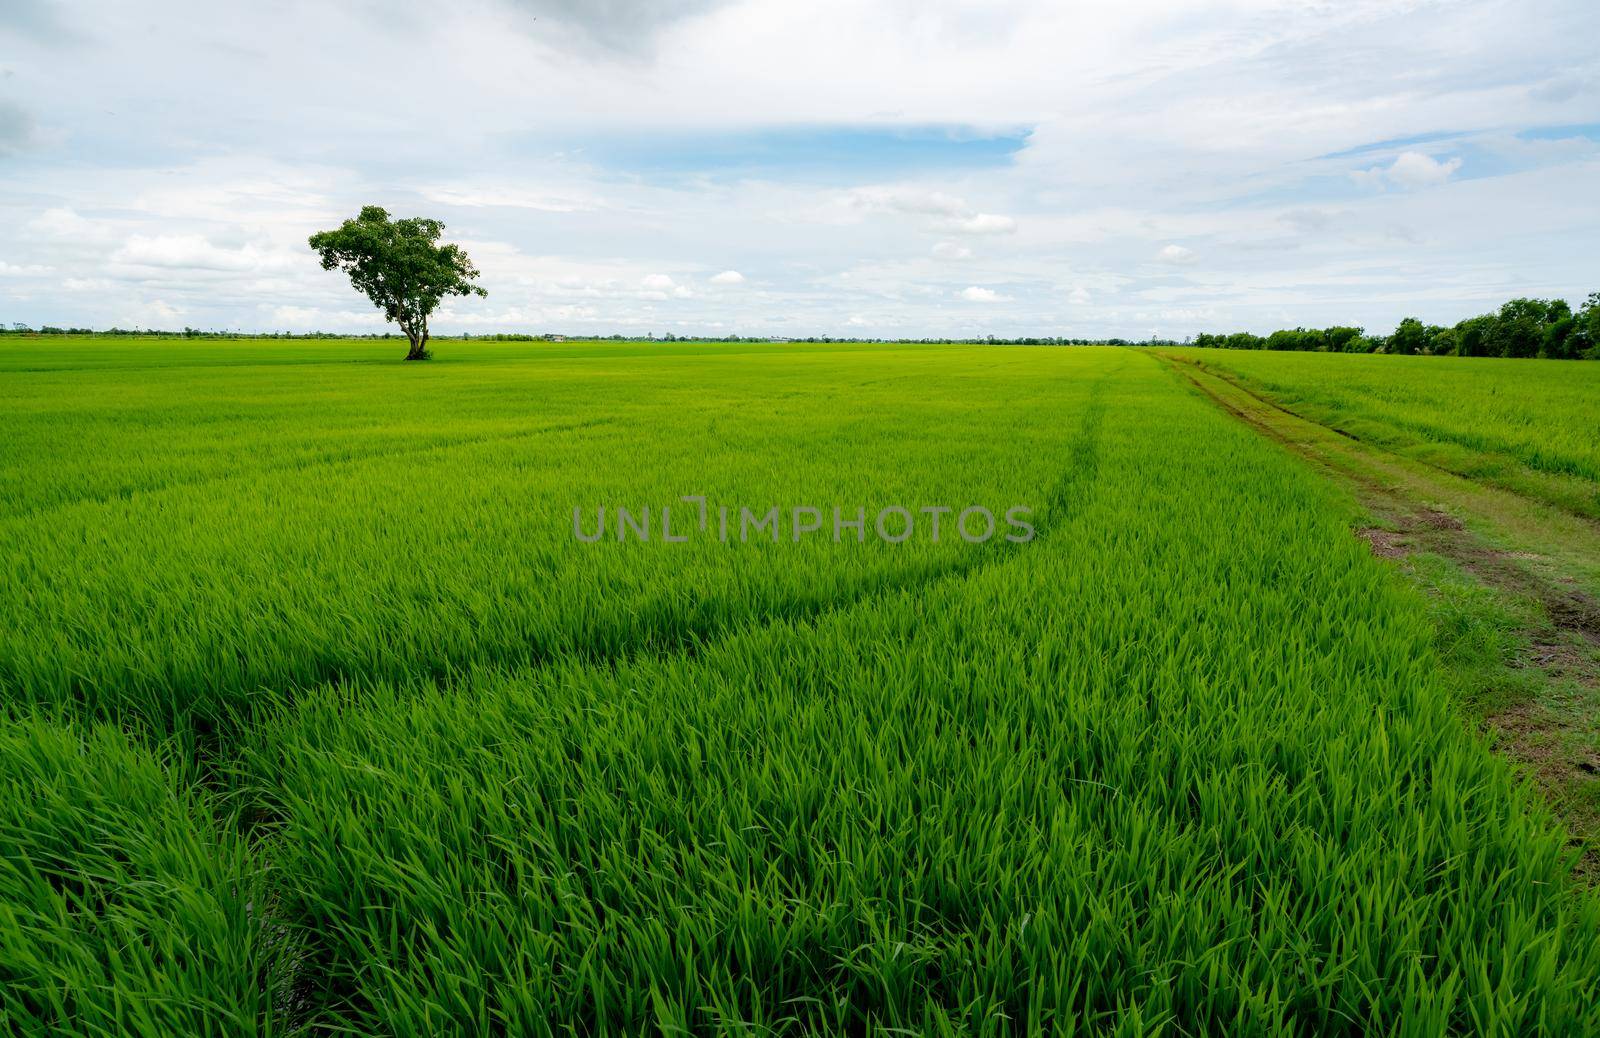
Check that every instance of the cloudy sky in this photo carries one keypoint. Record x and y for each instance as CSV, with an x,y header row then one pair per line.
x,y
856,167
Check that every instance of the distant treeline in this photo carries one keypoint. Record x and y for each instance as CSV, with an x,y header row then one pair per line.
x,y
187,333
196,333
1520,328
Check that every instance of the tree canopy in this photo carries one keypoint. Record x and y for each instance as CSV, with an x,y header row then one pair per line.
x,y
400,266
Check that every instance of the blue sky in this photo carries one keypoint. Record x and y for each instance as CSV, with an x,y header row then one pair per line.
x,y
836,154
901,167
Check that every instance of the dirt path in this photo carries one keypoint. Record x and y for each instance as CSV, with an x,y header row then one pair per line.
x,y
1516,585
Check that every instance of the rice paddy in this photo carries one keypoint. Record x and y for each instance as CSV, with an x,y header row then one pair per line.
x,y
321,719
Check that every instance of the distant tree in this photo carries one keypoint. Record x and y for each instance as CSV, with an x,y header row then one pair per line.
x,y
1586,328
1295,339
400,266
1409,337
1558,342
1472,336
1518,329
1443,342
1335,339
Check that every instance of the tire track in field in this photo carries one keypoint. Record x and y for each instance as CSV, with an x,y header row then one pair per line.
x,y
688,634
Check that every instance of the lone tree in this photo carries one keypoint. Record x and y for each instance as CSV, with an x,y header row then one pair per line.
x,y
401,267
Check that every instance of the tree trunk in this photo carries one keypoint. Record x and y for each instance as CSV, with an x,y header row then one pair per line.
x,y
419,346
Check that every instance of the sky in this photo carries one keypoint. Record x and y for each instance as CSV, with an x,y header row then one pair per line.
x,y
873,168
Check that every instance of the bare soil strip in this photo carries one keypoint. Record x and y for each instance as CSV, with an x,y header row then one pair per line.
x,y
1541,564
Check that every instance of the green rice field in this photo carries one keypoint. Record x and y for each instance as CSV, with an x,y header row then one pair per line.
x,y
322,717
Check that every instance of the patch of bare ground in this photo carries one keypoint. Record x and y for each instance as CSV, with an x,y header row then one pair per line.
x,y
1536,737
1386,544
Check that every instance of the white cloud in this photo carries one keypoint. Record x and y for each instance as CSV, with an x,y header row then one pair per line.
x,y
193,252
907,199
1414,169
657,287
949,250
946,212
728,277
1311,220
157,313
976,294
1176,254
306,318
1080,296
64,223
982,223
510,198
543,317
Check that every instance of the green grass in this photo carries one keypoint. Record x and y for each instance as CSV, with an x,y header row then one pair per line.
x,y
1183,764
1532,427
126,905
